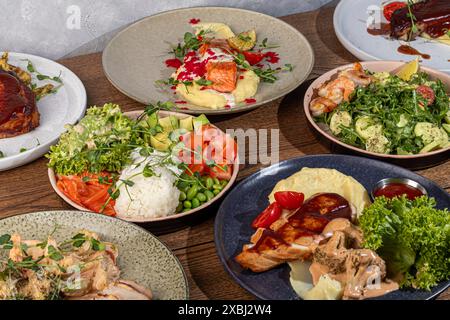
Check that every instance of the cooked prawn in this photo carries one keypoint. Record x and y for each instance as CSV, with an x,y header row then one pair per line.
x,y
321,105
357,75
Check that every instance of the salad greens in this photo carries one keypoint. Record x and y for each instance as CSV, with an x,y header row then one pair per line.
x,y
101,141
412,236
390,116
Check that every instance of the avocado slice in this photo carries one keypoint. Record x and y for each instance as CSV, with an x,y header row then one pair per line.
x,y
152,120
169,123
160,141
199,121
187,123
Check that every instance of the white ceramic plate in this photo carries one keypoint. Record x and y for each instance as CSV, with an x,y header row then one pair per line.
x,y
67,106
350,19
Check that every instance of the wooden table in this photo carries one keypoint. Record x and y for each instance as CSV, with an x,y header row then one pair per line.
x,y
27,188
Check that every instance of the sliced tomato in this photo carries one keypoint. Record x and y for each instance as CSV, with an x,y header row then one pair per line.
x,y
253,57
390,8
221,171
195,167
268,216
289,199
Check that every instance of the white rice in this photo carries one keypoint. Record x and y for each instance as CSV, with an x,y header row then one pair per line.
x,y
152,197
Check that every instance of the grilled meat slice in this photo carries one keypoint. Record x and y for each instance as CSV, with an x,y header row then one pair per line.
x,y
431,17
18,110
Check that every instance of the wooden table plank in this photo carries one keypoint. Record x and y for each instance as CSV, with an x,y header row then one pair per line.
x,y
27,189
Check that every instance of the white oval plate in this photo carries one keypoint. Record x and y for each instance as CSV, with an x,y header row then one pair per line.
x,y
350,19
67,106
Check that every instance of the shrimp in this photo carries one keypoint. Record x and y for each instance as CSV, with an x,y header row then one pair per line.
x,y
357,75
337,90
321,105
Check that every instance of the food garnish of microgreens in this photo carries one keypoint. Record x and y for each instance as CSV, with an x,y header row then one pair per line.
x,y
266,75
413,18
10,268
191,42
264,45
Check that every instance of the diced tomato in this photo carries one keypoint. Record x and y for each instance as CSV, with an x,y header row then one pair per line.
x,y
221,171
289,199
193,168
390,8
427,93
268,216
253,57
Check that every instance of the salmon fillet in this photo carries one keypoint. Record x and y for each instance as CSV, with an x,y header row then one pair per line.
x,y
223,75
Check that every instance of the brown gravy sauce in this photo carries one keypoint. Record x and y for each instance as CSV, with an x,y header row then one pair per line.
x,y
406,49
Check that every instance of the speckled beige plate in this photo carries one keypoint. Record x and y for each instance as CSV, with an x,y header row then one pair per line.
x,y
134,115
134,59
142,257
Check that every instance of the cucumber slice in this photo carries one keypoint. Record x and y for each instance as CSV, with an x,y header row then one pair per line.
x,y
430,147
446,127
367,127
428,132
403,121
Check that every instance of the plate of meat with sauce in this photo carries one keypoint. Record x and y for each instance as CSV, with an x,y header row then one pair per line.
x,y
208,60
38,97
384,30
335,227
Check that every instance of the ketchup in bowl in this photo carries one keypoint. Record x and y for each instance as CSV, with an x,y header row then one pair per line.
x,y
393,187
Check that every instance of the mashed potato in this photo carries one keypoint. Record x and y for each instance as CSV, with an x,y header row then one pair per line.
x,y
310,181
151,197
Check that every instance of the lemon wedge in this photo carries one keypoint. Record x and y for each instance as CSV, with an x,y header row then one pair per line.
x,y
408,70
244,41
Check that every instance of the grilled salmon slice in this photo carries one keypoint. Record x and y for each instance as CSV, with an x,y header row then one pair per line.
x,y
223,75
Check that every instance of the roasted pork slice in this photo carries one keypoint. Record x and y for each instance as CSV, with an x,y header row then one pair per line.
x,y
430,16
18,110
293,236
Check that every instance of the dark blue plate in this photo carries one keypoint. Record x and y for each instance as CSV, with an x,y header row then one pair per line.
x,y
249,198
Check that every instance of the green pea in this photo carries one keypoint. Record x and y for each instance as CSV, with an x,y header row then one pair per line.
x,y
195,203
187,204
216,181
192,192
223,183
217,187
180,207
216,191
209,195
209,183
186,209
201,197
182,185
182,196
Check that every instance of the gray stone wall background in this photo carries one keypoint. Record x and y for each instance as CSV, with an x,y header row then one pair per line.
x,y
63,28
